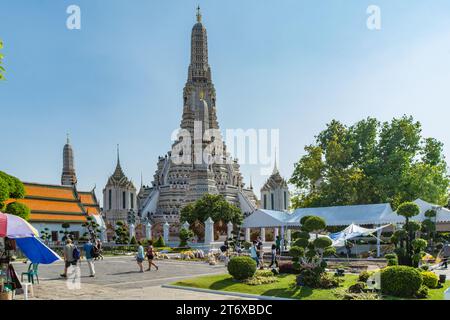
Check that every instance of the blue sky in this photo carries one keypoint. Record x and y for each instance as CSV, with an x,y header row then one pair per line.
x,y
290,65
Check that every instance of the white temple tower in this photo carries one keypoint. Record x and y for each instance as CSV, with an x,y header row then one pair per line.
x,y
176,183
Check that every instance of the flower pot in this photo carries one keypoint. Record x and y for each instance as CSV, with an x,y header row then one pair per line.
x,y
442,278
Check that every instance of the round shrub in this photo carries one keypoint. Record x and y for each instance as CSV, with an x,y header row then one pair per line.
x,y
422,293
329,251
241,268
364,276
419,244
18,209
413,226
303,219
303,235
400,281
302,243
408,209
430,213
310,254
296,253
322,243
314,223
392,262
4,192
430,279
357,287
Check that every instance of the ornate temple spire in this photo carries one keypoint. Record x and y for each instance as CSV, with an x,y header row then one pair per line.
x,y
68,176
275,167
199,70
199,15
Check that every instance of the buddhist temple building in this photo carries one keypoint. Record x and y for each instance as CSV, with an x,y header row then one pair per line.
x,y
275,192
52,205
183,175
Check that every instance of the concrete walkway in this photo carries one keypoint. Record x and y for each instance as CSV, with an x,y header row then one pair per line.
x,y
117,278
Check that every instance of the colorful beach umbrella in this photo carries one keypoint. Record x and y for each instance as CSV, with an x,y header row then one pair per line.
x,y
36,251
14,227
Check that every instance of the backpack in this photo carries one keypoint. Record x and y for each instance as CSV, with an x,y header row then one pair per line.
x,y
76,254
95,252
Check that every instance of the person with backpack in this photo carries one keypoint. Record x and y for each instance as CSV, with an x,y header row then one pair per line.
x,y
151,257
71,256
89,253
98,248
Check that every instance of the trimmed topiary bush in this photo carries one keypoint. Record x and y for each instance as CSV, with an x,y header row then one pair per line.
x,y
302,243
430,279
159,243
400,281
296,253
392,259
322,243
241,268
364,276
422,293
357,287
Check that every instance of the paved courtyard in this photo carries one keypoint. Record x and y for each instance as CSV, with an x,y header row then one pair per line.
x,y
117,278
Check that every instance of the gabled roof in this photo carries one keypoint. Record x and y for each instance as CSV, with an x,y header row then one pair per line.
x,y
55,203
346,215
376,214
262,218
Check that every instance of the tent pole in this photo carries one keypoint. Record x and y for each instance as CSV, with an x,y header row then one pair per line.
x,y
379,241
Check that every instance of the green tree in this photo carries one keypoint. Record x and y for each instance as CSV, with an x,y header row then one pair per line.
x,y
214,206
18,209
185,236
369,163
65,231
2,70
12,188
92,227
122,234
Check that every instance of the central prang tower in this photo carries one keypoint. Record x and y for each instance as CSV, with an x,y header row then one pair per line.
x,y
175,183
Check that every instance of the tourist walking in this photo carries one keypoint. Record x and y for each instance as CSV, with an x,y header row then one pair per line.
x,y
69,259
150,256
278,245
274,260
254,253
140,257
89,253
99,250
446,254
260,248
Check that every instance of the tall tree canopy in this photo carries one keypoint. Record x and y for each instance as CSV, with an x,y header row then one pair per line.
x,y
211,206
214,206
2,70
371,162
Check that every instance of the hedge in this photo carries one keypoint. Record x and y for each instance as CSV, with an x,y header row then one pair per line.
x,y
400,281
241,268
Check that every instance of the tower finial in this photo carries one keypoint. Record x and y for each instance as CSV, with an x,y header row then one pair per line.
x,y
199,15
275,168
251,182
68,138
118,154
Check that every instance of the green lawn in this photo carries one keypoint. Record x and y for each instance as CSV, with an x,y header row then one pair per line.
x,y
284,288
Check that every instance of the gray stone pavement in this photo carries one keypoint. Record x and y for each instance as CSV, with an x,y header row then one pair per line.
x,y
117,278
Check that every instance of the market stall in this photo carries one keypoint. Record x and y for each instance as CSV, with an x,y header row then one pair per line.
x,y
16,233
